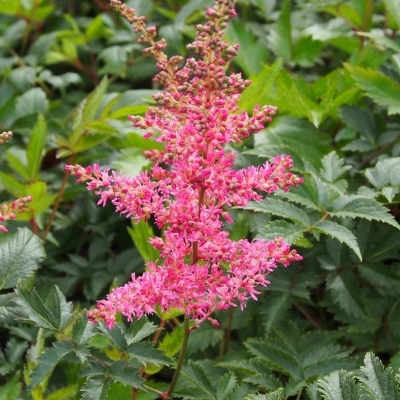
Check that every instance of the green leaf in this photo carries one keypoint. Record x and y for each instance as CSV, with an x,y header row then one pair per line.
x,y
362,207
95,389
14,161
288,230
386,176
260,86
128,376
380,384
86,112
8,310
339,385
333,167
140,234
280,37
345,292
274,308
199,377
281,209
33,101
34,152
293,136
145,353
379,87
139,330
48,361
340,233
393,8
82,330
53,316
20,256
276,395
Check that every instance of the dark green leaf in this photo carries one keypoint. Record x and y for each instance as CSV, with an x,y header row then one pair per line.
x,y
33,101
95,389
48,361
20,256
54,317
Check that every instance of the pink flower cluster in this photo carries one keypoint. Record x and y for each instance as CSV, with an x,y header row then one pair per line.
x,y
193,183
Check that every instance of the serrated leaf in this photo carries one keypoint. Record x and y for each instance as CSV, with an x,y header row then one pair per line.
x,y
55,317
340,233
140,234
117,335
95,389
274,308
66,393
82,330
20,256
8,310
86,111
362,207
34,152
276,395
381,384
33,101
339,385
288,230
205,336
345,291
283,360
48,361
171,343
197,375
139,329
128,376
281,209
225,386
379,87
145,353
333,167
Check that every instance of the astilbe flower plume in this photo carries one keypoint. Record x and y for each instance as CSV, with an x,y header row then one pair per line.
x,y
192,183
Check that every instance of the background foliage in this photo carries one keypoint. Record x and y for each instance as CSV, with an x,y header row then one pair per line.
x,y
70,72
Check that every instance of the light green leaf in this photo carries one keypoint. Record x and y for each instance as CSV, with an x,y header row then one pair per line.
x,y
34,153
33,101
280,37
54,316
362,207
14,161
379,87
340,233
20,256
140,234
48,361
380,384
260,87
393,8
280,208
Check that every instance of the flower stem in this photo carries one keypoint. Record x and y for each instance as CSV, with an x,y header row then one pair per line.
x,y
181,358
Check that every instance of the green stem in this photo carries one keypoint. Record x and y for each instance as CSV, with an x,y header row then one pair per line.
x,y
181,358
58,199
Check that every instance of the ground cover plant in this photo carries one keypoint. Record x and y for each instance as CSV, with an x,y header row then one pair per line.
x,y
72,73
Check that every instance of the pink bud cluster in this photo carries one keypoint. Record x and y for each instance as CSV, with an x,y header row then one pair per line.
x,y
193,183
8,211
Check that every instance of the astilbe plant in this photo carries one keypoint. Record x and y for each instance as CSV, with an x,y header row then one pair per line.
x,y
192,184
